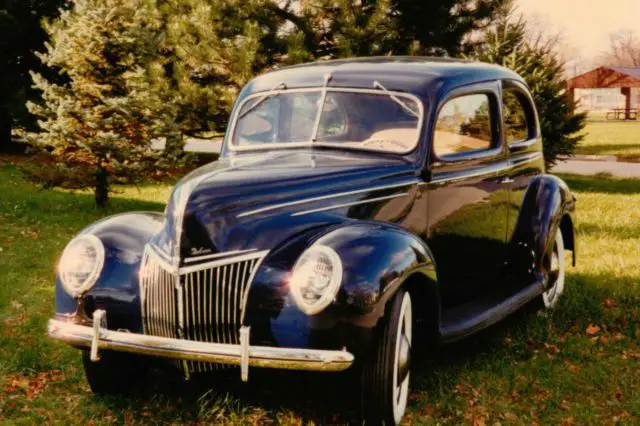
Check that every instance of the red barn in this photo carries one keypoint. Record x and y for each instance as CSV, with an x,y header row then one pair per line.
x,y
623,78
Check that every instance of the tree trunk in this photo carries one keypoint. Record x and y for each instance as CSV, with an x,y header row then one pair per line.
x,y
101,187
5,130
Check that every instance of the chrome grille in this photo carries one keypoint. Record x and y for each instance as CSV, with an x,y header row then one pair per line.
x,y
158,298
202,302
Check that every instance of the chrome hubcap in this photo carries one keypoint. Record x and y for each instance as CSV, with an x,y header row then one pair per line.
x,y
404,358
555,274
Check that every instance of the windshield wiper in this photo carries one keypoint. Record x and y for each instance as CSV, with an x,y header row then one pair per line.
x,y
377,85
323,97
262,99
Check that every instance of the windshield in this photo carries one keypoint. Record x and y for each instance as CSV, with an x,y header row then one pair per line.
x,y
386,121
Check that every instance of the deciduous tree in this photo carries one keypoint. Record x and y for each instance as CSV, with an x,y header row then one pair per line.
x,y
506,44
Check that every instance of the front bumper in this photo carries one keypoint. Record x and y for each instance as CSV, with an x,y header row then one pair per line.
x,y
98,337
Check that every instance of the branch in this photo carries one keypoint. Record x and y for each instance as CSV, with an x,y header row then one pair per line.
x,y
310,41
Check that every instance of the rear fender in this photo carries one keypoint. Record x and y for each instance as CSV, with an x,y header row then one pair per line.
x,y
548,206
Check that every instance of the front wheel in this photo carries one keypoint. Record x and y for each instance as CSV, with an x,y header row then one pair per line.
x,y
115,373
385,376
555,274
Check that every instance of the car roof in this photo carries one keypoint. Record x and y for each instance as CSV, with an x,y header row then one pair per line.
x,y
411,74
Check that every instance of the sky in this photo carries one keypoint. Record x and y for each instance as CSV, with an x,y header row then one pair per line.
x,y
586,24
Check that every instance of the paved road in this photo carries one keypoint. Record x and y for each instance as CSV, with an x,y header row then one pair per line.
x,y
579,167
615,168
194,145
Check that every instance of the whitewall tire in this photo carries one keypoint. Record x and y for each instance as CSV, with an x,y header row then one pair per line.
x,y
385,377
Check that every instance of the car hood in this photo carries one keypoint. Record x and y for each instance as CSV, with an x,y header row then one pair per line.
x,y
255,201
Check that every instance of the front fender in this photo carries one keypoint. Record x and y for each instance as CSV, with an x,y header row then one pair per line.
x,y
546,205
124,237
377,259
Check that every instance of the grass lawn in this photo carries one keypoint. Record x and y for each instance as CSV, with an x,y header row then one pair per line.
x,y
621,139
577,365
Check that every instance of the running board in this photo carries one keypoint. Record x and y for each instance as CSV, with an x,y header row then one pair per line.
x,y
471,317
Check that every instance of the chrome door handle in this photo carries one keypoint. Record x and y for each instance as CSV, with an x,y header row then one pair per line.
x,y
506,181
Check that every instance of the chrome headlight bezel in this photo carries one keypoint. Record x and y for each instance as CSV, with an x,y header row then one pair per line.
x,y
64,265
301,273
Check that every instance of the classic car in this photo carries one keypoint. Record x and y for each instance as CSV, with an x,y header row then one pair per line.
x,y
358,208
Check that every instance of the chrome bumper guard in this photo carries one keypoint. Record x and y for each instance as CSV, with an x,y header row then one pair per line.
x,y
99,337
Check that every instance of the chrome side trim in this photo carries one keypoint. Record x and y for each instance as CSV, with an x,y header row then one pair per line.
x,y
511,164
217,255
256,356
354,203
325,197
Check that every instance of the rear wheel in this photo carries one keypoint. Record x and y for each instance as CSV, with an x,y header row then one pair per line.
x,y
385,376
115,373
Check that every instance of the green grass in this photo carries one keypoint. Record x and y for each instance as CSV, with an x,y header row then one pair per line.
x,y
531,368
621,139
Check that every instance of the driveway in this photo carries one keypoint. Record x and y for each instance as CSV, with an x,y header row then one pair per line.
x,y
194,145
615,168
579,167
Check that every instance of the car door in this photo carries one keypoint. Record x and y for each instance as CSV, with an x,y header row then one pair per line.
x,y
467,199
524,144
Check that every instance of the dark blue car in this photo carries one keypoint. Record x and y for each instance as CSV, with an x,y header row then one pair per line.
x,y
359,208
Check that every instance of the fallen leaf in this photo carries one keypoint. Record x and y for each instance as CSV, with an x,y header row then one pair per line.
x,y
510,416
552,348
592,330
618,337
619,396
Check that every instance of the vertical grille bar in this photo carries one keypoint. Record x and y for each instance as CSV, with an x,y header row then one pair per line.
x,y
204,304
157,299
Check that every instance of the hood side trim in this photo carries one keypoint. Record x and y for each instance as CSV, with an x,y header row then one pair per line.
x,y
354,203
325,197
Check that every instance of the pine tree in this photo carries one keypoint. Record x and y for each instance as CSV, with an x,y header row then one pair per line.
x,y
505,43
343,28
104,113
209,51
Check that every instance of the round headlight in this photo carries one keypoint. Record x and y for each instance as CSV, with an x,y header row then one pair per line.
x,y
81,264
316,279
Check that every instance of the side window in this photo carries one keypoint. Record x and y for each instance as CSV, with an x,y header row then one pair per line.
x,y
516,119
464,124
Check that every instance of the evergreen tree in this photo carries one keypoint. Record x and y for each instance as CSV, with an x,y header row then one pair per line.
x,y
341,28
209,51
102,117
505,43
